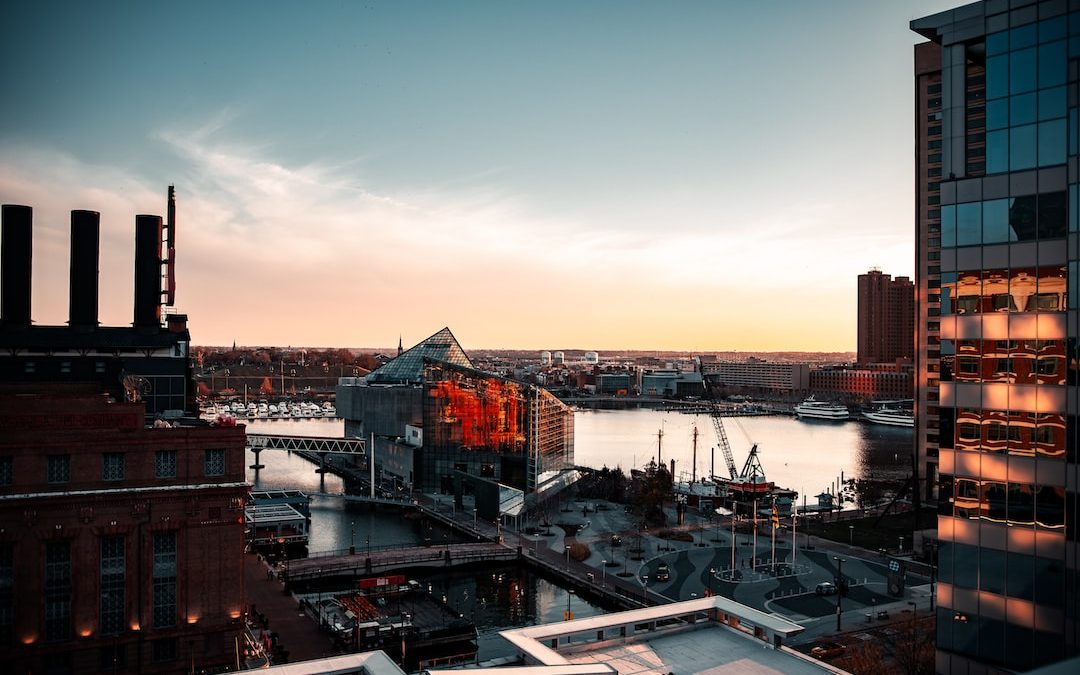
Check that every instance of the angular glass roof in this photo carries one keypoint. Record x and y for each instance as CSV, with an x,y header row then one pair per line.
x,y
408,368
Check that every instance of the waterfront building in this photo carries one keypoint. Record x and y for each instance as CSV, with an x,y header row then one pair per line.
x,y
863,383
670,383
756,374
492,427
121,514
617,384
886,317
121,542
998,260
433,404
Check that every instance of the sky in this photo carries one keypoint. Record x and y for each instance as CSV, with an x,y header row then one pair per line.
x,y
696,176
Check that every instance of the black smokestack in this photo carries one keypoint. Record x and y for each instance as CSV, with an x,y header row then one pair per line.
x,y
148,271
83,296
15,255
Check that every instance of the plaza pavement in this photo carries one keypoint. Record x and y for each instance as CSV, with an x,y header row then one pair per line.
x,y
789,595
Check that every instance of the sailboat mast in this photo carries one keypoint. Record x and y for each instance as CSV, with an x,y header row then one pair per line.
x,y
693,468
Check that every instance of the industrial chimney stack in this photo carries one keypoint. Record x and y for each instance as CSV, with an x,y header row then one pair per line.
x,y
148,272
83,294
15,258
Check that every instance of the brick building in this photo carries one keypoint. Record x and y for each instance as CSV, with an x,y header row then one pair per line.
x,y
121,514
120,543
886,328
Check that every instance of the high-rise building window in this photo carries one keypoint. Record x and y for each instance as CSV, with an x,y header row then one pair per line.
x,y
214,462
57,591
164,578
58,469
112,584
112,466
165,464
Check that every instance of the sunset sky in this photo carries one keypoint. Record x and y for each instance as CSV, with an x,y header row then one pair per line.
x,y
596,175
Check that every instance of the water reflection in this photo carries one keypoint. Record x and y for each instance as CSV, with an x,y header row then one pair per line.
x,y
802,456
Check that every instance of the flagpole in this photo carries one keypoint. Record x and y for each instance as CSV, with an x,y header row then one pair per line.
x,y
753,563
794,548
774,521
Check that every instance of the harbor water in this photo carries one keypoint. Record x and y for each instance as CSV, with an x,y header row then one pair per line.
x,y
803,456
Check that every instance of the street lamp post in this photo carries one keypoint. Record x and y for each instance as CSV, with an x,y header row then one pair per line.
x,y
850,534
567,558
352,537
603,573
474,518
839,588
712,573
901,549
914,612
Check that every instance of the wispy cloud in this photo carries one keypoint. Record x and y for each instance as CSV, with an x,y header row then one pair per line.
x,y
274,252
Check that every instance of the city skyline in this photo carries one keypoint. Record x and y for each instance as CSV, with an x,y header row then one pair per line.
x,y
533,177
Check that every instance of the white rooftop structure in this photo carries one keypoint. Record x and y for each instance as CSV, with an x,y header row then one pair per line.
x,y
364,663
713,635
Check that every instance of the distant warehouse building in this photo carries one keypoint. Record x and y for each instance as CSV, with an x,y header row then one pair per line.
x,y
671,383
757,374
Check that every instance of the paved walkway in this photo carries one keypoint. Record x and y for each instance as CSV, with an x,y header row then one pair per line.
x,y
791,596
296,632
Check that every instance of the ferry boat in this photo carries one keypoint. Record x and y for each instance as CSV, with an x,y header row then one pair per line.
x,y
891,415
821,410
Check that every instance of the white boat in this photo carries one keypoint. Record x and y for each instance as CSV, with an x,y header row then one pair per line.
x,y
895,417
821,410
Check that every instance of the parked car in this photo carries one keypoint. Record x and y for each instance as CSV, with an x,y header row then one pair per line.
x,y
827,650
663,573
826,588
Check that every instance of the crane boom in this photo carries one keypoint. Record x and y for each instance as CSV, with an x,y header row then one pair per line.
x,y
725,446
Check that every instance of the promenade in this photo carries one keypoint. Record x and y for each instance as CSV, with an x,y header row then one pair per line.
x,y
625,574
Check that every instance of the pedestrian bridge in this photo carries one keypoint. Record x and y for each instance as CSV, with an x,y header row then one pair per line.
x,y
366,563
341,446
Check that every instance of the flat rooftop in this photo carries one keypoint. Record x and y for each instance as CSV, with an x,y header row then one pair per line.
x,y
709,636
707,650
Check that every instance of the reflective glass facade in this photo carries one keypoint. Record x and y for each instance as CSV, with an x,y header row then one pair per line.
x,y
490,427
997,327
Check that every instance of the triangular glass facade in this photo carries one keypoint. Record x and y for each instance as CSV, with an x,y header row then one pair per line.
x,y
408,368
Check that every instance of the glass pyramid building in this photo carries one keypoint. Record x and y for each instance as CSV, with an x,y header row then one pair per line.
x,y
408,367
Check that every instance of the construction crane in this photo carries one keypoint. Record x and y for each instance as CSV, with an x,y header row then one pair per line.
x,y
725,446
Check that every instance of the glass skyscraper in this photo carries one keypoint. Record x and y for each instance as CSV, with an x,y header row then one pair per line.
x,y
998,246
